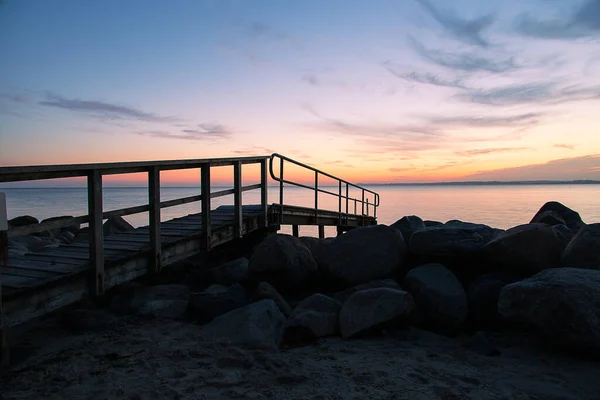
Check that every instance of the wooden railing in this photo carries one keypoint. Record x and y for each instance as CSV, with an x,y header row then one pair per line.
x,y
96,214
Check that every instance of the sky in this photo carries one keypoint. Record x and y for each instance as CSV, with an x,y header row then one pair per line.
x,y
372,91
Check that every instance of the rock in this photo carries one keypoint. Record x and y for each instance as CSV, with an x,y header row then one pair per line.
x,y
73,228
343,296
483,296
549,218
266,291
4,351
128,299
168,309
564,234
370,309
439,296
258,325
583,251
116,225
235,271
85,320
315,245
525,249
314,317
451,239
21,245
480,343
554,211
210,304
65,237
561,304
283,261
363,254
23,221
429,223
407,225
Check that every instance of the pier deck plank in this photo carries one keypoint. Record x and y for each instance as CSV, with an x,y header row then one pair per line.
x,y
42,281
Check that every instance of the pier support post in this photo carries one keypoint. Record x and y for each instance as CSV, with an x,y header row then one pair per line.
x,y
340,230
264,200
154,217
321,231
96,235
4,349
205,190
295,230
237,199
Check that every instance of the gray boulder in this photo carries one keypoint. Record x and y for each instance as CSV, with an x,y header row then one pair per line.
x,y
555,213
361,255
258,325
267,291
22,245
168,309
371,309
583,251
562,304
525,249
439,296
408,225
235,271
283,261
429,223
116,225
210,304
564,234
130,298
455,238
315,245
314,317
22,221
73,228
344,295
483,297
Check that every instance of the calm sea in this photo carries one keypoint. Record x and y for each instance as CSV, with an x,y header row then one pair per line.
x,y
500,206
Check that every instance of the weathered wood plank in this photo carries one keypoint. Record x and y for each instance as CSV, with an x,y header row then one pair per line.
x,y
110,245
17,282
35,265
28,273
57,259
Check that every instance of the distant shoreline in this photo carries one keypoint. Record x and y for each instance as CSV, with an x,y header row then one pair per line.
x,y
464,183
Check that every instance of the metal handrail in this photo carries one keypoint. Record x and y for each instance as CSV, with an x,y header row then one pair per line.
x,y
317,190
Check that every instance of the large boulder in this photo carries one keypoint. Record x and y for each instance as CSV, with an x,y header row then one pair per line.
x,y
211,303
235,271
583,250
454,238
371,309
525,249
267,291
167,309
283,261
130,298
23,220
554,213
483,297
21,245
564,234
315,245
439,296
408,225
73,228
314,317
562,304
344,295
116,225
361,255
258,325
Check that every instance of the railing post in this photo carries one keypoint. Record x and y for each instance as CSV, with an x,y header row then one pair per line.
x,y
375,202
4,349
281,190
96,245
154,217
264,190
340,203
237,198
367,206
205,191
362,213
347,194
316,197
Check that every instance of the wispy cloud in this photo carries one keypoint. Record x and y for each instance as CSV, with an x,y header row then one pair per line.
x,y
102,109
205,131
469,62
486,121
479,152
467,31
423,77
587,167
583,22
564,146
531,93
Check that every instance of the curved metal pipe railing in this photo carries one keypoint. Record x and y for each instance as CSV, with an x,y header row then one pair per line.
x,y
365,204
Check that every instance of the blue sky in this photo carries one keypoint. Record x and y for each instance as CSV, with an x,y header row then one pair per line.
x,y
411,90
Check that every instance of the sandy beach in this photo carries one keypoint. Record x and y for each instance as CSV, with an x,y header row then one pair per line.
x,y
139,358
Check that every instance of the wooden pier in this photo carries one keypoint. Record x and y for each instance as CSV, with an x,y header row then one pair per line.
x,y
43,281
